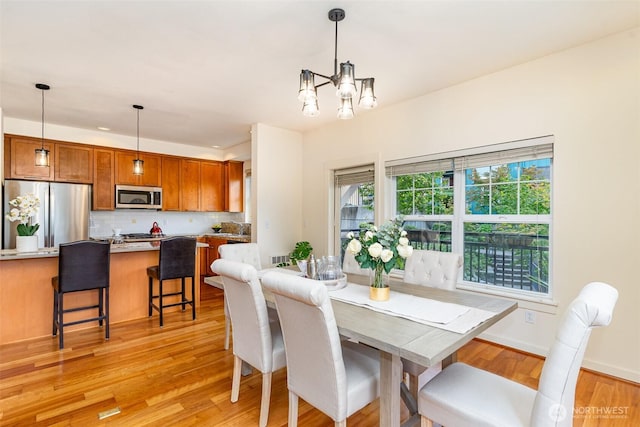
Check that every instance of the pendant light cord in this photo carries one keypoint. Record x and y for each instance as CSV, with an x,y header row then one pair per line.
x,y
335,53
138,134
42,137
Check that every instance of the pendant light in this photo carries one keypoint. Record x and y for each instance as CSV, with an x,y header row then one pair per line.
x,y
343,79
138,164
42,155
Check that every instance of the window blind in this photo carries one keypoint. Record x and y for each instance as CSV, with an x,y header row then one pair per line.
x,y
353,176
509,152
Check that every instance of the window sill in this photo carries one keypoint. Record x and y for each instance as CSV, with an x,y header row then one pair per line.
x,y
527,302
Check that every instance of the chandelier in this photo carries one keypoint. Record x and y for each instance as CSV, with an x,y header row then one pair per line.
x,y
344,80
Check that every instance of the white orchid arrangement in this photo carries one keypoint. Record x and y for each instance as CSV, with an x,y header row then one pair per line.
x,y
380,248
23,208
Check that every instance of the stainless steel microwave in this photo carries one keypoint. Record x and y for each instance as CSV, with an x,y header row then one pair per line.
x,y
137,197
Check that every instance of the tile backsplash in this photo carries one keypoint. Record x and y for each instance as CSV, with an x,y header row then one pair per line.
x,y
101,223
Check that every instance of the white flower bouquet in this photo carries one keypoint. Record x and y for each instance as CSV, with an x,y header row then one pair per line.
x,y
380,248
23,208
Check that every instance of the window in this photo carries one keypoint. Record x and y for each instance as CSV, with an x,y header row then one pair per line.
x,y
492,206
354,201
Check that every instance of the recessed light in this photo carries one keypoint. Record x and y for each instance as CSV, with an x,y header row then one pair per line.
x,y
215,146
103,128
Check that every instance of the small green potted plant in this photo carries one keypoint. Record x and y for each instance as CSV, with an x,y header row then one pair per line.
x,y
300,252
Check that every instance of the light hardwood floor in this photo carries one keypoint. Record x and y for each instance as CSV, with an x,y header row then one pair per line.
x,y
181,376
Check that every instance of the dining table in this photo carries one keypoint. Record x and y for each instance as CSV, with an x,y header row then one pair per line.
x,y
398,337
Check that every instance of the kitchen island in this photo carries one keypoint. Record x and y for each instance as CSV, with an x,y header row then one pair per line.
x,y
26,296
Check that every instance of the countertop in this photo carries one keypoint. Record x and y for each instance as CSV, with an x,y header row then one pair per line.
x,y
229,236
11,254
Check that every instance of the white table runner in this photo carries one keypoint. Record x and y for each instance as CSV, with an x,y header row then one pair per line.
x,y
264,271
451,317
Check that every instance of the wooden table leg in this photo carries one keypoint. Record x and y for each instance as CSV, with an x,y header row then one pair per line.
x,y
390,377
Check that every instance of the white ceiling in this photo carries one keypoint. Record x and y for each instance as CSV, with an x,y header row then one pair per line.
x,y
206,70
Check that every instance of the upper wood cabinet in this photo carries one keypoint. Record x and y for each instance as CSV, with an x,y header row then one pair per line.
x,y
124,169
20,158
170,183
211,186
103,179
190,185
73,163
234,194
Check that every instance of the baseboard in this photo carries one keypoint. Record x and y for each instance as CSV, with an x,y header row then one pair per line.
x,y
589,364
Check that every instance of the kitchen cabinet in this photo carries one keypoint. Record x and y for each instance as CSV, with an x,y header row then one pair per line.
x,y
234,185
124,169
73,163
170,183
190,185
211,186
19,162
103,179
212,252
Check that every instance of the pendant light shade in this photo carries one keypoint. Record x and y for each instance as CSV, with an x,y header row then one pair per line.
x,y
42,155
138,164
343,78
347,85
367,98
345,111
310,107
307,87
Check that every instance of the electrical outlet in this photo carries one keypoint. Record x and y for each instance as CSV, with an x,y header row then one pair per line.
x,y
529,316
133,221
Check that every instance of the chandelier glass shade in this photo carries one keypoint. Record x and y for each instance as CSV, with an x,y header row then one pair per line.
x,y
42,154
343,79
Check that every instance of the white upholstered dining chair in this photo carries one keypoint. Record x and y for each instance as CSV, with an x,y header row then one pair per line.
x,y
338,378
256,340
452,397
351,266
248,253
436,270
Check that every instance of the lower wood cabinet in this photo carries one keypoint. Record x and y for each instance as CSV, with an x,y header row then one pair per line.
x,y
209,254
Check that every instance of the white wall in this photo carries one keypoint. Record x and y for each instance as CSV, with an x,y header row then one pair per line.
x,y
276,193
588,98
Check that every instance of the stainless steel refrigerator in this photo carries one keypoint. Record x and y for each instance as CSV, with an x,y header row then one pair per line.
x,y
63,214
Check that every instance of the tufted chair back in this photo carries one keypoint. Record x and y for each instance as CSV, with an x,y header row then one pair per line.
x,y
338,378
351,266
248,253
256,339
512,403
557,387
433,268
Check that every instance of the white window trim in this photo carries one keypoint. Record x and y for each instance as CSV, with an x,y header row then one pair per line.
x,y
457,243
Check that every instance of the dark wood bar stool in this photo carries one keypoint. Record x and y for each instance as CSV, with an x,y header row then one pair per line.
x,y
82,266
177,261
